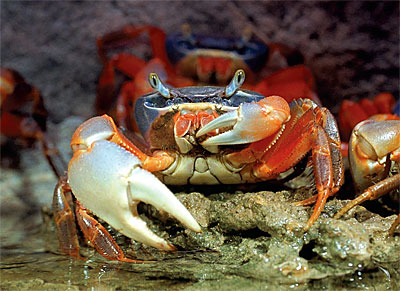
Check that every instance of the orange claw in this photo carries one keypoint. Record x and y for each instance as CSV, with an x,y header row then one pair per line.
x,y
251,122
373,148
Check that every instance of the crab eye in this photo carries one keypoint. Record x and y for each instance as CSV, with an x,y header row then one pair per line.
x,y
157,85
236,82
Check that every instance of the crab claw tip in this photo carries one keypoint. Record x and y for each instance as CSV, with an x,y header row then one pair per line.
x,y
226,120
147,188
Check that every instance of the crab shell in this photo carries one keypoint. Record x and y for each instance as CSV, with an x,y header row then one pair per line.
x,y
194,53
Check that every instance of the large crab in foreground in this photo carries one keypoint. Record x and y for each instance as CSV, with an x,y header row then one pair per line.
x,y
191,135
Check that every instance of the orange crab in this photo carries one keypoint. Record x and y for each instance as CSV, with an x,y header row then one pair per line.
x,y
191,135
188,59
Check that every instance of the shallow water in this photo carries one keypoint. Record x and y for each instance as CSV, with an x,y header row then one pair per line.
x,y
35,268
31,260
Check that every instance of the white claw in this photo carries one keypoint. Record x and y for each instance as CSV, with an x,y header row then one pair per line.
x,y
226,120
250,122
109,181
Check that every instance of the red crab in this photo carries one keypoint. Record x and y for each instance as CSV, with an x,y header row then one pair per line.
x,y
191,135
24,116
351,113
188,59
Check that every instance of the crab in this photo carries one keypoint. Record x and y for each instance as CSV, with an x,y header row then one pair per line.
x,y
24,116
187,59
191,135
382,107
374,156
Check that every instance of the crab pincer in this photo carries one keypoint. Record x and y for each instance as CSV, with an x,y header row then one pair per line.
x,y
250,122
107,176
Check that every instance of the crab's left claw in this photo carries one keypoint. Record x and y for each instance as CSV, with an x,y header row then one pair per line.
x,y
109,181
250,122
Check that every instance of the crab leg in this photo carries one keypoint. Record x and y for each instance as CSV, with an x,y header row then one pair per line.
x,y
373,192
99,237
65,220
108,176
123,62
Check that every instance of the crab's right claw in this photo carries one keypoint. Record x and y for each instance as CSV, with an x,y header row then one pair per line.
x,y
250,122
109,181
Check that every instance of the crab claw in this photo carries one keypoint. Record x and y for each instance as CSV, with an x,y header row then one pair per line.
x,y
108,180
250,121
370,143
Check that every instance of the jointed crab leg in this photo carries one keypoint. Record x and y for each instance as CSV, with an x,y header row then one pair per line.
x,y
92,230
309,128
30,122
373,192
65,219
99,237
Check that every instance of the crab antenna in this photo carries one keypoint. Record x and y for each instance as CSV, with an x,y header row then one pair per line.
x,y
156,84
236,82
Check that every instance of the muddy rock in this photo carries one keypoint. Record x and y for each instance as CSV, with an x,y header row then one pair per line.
x,y
261,235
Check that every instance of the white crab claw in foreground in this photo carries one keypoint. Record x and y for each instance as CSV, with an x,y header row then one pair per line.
x,y
109,181
251,122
